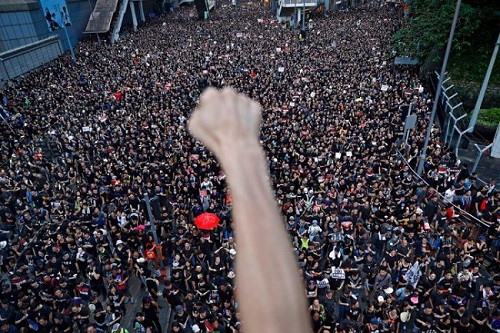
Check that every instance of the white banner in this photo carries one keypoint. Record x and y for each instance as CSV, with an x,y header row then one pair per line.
x,y
337,273
413,274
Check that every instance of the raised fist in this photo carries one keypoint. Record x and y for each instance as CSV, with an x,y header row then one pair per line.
x,y
225,120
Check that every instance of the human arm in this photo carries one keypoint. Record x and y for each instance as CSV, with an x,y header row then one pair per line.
x,y
270,292
20,318
423,323
84,315
116,319
477,321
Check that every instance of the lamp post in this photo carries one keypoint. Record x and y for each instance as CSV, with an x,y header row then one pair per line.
x,y
147,201
296,16
304,17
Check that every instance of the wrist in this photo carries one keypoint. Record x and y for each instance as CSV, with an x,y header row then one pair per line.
x,y
238,151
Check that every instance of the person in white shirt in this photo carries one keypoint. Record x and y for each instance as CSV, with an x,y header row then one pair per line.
x,y
449,195
207,183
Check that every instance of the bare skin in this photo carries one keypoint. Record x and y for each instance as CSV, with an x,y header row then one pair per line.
x,y
270,294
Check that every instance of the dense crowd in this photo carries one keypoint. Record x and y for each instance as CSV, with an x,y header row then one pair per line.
x,y
378,248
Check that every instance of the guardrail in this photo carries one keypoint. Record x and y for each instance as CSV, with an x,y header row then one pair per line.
x,y
462,213
455,122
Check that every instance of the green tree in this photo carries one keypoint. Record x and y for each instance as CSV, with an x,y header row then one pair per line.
x,y
427,29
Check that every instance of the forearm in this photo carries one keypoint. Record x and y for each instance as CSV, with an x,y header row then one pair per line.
x,y
261,238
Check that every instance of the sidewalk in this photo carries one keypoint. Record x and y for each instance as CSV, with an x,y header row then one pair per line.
x,y
132,308
488,167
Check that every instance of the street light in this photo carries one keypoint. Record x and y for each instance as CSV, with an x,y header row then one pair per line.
x,y
147,201
304,19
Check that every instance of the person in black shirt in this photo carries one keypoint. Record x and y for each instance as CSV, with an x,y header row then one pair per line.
x,y
464,326
22,316
447,244
441,311
177,328
425,319
369,313
88,243
431,209
96,278
150,310
141,324
61,300
344,303
392,258
438,268
354,312
7,311
226,292
441,220
62,323
444,324
45,325
172,294
456,316
181,316
39,310
317,322
480,316
445,284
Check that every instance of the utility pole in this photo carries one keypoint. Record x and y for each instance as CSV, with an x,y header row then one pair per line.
x,y
421,163
482,92
304,17
147,200
296,16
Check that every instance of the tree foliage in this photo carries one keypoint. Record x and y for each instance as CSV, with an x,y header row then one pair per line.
x,y
487,117
427,28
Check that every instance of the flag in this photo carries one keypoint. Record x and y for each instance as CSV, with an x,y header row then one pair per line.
x,y
413,274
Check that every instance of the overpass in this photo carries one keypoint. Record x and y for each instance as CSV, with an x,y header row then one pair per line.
x,y
108,14
289,8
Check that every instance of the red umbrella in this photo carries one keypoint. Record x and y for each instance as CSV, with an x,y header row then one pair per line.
x,y
206,221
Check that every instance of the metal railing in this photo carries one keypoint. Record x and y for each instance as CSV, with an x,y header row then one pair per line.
x,y
462,213
456,123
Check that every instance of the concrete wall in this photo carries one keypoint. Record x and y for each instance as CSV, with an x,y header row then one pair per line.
x,y
18,61
16,30
25,39
23,22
